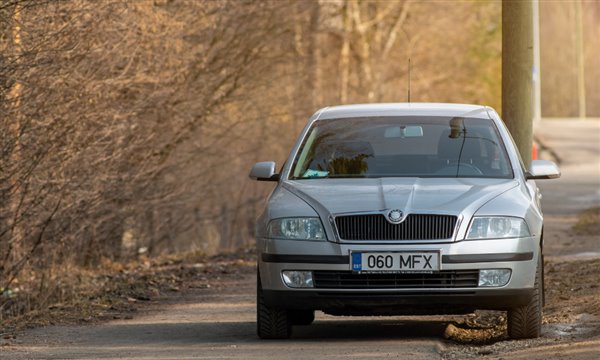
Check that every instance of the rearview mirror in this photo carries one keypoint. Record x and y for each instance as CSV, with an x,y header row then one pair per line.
x,y
264,171
413,131
403,131
543,169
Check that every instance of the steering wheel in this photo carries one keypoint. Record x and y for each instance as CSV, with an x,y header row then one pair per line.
x,y
460,167
475,169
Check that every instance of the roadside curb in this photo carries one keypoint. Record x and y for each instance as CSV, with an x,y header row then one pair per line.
x,y
545,147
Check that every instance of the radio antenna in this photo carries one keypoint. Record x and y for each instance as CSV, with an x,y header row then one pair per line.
x,y
409,80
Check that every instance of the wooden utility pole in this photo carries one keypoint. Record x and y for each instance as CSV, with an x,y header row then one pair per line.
x,y
517,66
537,73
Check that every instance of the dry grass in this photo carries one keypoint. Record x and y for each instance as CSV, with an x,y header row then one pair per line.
x,y
113,290
588,223
483,327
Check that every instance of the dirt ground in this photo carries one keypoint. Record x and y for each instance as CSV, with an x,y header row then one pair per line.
x,y
571,325
208,312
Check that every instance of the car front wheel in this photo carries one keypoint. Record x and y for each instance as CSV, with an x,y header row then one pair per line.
x,y
525,322
271,323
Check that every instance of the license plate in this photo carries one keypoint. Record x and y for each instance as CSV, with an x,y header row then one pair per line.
x,y
417,261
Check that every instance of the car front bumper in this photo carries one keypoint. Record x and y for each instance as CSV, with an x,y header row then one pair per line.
x,y
519,255
398,303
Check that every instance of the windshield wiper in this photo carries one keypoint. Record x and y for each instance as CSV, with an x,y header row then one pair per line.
x,y
329,177
347,176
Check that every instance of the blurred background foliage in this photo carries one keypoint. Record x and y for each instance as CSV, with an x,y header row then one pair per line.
x,y
129,127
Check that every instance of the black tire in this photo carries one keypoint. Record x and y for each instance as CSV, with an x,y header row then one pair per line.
x,y
543,284
525,322
271,323
302,317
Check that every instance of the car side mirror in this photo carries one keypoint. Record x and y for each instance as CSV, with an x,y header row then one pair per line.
x,y
543,169
264,171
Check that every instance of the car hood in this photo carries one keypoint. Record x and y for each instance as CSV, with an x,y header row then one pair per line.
x,y
410,195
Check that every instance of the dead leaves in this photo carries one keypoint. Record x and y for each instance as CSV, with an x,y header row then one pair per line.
x,y
116,290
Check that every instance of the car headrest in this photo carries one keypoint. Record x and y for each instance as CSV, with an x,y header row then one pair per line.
x,y
448,148
346,148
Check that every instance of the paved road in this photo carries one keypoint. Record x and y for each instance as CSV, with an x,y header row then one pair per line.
x,y
219,322
578,144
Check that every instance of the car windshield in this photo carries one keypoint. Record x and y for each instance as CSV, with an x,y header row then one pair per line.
x,y
405,146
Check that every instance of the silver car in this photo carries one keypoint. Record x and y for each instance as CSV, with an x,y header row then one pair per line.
x,y
401,209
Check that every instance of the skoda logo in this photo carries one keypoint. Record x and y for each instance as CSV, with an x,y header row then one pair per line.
x,y
395,216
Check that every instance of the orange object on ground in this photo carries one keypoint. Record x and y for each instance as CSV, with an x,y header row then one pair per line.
x,y
534,152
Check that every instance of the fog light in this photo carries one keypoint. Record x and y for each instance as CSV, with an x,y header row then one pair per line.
x,y
494,277
298,279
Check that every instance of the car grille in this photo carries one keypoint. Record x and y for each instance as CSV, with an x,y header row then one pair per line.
x,y
414,227
352,280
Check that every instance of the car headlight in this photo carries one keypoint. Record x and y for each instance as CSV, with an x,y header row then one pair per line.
x,y
309,228
497,228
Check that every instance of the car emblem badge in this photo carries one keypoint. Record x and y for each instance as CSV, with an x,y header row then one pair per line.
x,y
395,216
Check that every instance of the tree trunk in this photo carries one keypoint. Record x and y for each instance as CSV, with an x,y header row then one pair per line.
x,y
345,53
315,19
365,52
16,247
580,59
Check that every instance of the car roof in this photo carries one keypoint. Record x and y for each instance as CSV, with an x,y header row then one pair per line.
x,y
403,109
